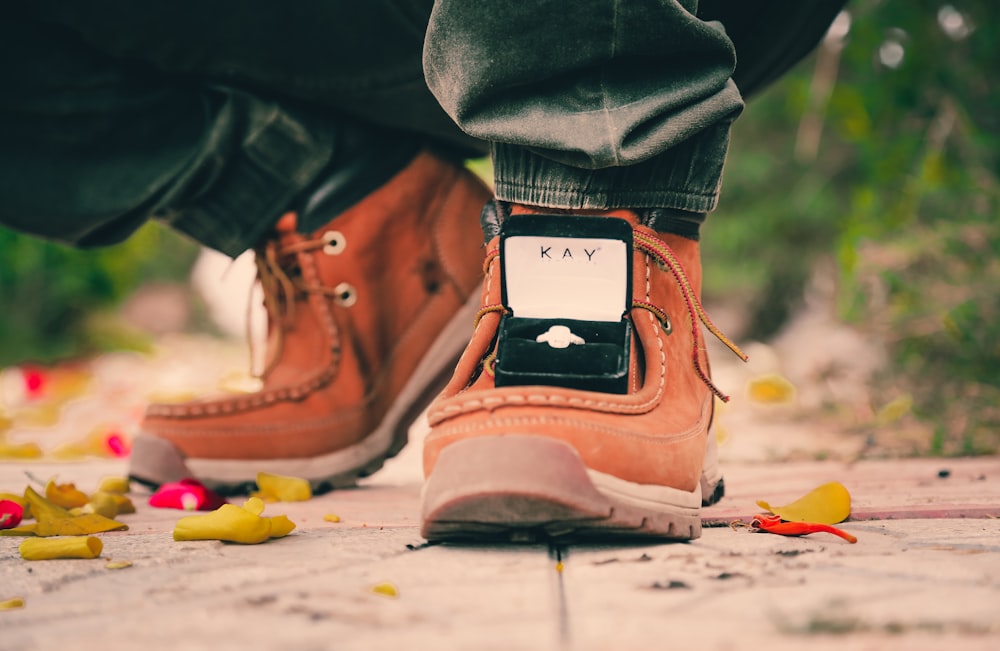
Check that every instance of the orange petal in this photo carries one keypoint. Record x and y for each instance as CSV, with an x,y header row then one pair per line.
x,y
65,495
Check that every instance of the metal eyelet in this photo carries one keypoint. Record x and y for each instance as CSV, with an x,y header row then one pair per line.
x,y
345,294
334,242
668,325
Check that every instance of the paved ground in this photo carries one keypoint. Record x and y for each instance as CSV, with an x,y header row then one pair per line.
x,y
925,573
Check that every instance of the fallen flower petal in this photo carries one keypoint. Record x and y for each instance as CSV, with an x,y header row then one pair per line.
x,y
11,513
229,523
254,505
120,485
43,509
37,549
188,495
101,504
771,389
331,517
19,499
386,590
11,604
79,525
283,489
20,451
35,380
773,524
281,526
116,445
118,565
123,504
23,530
827,504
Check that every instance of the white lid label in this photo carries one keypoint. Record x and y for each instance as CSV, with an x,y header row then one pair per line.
x,y
566,277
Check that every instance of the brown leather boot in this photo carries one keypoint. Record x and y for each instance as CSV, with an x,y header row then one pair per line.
x,y
594,422
367,316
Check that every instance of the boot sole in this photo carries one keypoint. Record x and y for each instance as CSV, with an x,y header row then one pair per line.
x,y
521,488
155,460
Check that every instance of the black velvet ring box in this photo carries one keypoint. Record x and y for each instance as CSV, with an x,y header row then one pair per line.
x,y
566,282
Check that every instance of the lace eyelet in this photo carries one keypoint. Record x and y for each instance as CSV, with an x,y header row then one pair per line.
x,y
334,242
345,294
668,325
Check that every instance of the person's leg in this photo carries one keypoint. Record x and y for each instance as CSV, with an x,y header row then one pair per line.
x,y
583,401
96,139
377,253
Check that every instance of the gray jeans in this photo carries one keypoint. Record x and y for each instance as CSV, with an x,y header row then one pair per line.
x,y
217,117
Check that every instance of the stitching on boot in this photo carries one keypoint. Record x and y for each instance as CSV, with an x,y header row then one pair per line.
x,y
512,422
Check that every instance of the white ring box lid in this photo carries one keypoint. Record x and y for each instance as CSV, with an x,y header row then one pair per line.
x,y
554,277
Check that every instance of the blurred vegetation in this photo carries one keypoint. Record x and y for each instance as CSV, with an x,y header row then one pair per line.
x,y
53,296
881,153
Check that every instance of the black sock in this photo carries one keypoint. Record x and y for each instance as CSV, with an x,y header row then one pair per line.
x,y
677,222
364,159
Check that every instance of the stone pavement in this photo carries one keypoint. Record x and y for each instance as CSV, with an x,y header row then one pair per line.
x,y
929,580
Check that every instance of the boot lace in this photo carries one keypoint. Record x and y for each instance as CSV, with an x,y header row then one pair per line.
x,y
282,286
661,252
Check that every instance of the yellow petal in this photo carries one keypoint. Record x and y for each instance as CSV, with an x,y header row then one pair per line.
x,y
118,565
386,590
123,503
11,604
229,522
254,505
771,389
120,485
42,508
894,410
283,489
109,505
79,525
331,517
281,526
20,451
828,504
101,504
23,530
37,549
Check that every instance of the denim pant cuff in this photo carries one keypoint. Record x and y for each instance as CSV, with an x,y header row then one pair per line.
x,y
686,177
274,163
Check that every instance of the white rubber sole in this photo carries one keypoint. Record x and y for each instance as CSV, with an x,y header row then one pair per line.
x,y
525,488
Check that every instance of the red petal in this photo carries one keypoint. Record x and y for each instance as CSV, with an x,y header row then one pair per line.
x,y
117,445
186,494
34,381
10,514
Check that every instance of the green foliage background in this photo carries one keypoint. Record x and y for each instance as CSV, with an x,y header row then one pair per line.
x,y
902,192
888,168
53,296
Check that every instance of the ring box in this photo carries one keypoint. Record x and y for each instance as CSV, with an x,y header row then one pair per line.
x,y
568,271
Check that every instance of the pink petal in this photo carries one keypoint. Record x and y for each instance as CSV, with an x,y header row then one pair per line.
x,y
10,514
188,495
